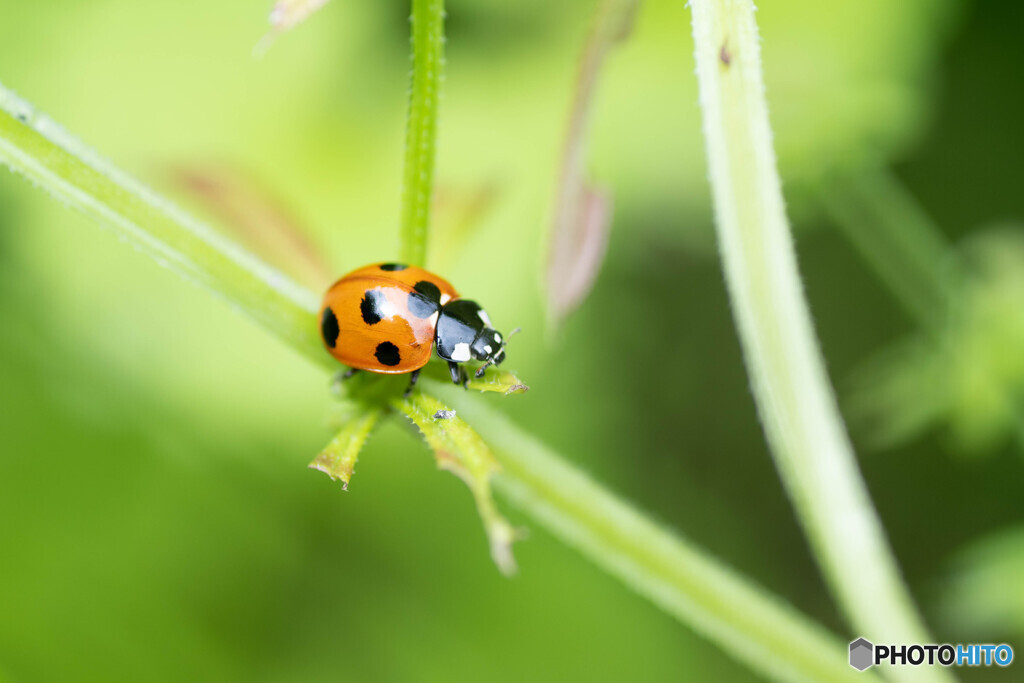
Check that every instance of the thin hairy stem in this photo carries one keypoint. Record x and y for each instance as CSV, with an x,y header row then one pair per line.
x,y
421,134
795,400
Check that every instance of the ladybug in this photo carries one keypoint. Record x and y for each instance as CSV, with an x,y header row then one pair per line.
x,y
387,317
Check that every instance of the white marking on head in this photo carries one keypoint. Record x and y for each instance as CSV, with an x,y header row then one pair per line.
x,y
445,299
483,316
461,353
488,349
497,337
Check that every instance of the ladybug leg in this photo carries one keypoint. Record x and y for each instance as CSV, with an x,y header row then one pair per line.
x,y
458,373
412,382
341,376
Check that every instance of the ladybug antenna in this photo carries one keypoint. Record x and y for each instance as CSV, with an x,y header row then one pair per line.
x,y
490,361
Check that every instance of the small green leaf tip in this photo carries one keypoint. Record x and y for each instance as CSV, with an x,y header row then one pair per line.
x,y
461,451
501,382
493,381
338,459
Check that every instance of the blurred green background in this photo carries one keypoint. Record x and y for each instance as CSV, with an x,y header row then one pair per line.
x,y
157,520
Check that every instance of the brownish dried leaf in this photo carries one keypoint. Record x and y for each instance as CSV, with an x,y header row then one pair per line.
x,y
582,214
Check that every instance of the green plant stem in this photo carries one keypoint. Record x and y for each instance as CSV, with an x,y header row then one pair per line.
x,y
421,133
39,149
733,612
898,241
743,619
804,429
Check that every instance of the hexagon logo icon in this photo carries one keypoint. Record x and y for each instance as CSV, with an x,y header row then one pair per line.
x,y
862,654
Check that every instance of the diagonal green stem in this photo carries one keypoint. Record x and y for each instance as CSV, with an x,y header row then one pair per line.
x,y
743,619
804,429
898,241
421,134
734,613
33,145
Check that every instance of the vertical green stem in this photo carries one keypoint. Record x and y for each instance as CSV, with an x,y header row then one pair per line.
x,y
804,429
421,133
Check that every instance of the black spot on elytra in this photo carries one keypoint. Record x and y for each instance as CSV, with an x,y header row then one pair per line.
x,y
425,301
387,354
329,327
370,306
393,266
420,306
429,290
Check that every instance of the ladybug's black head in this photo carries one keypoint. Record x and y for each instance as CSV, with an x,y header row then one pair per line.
x,y
491,348
488,346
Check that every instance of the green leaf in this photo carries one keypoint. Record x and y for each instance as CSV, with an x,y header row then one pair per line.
x,y
461,451
338,459
962,370
499,381
494,380
985,591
